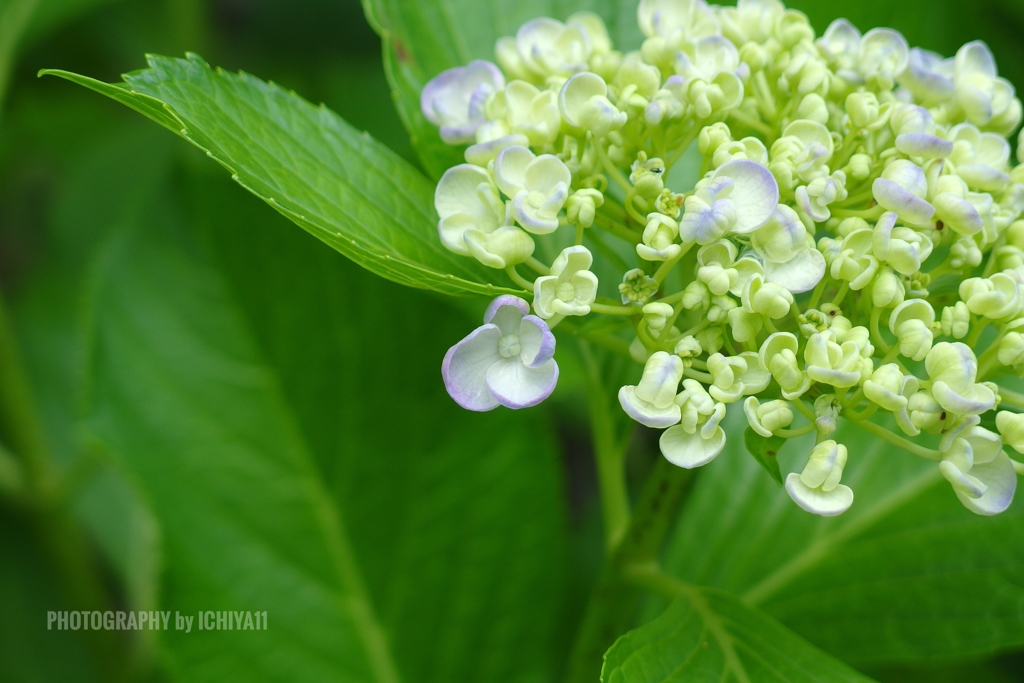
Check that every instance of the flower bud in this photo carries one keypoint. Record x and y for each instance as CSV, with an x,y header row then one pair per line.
x,y
862,108
1011,349
669,203
813,108
687,349
888,290
926,414
637,287
696,295
767,418
652,401
956,320
744,325
1011,428
711,339
712,137
885,387
817,488
582,206
656,316
995,297
647,176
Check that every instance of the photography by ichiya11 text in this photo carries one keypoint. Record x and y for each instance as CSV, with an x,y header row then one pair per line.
x,y
155,621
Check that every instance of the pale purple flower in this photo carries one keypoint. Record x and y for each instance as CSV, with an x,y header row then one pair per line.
x,y
454,99
506,361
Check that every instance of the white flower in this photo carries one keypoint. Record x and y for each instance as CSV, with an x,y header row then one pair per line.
x,y
928,77
736,376
902,188
815,197
876,58
676,19
981,159
986,99
778,356
953,370
751,20
659,239
507,361
454,99
981,474
583,103
473,219
902,248
537,185
832,363
738,198
787,252
817,488
523,109
652,402
570,288
545,47
699,437
713,73
915,133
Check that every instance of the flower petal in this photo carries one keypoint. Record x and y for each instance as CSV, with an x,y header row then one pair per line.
x,y
1000,480
646,414
515,385
536,340
510,169
465,368
690,450
816,501
755,193
802,273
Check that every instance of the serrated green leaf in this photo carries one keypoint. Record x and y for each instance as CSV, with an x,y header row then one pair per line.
x,y
905,575
422,39
345,188
765,450
708,636
302,458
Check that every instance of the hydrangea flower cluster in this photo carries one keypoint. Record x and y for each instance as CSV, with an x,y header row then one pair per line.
x,y
852,249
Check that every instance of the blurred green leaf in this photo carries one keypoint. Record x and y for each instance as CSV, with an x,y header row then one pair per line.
x,y
422,39
345,188
905,575
30,653
708,636
302,459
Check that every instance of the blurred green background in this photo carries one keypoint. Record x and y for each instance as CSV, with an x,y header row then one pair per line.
x,y
112,232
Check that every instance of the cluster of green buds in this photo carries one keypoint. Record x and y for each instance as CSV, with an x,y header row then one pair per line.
x,y
848,247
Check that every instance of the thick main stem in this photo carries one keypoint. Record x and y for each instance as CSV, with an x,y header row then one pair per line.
x,y
613,600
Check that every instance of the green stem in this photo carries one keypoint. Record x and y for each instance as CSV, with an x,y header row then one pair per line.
x,y
609,450
519,279
613,600
896,440
609,309
537,266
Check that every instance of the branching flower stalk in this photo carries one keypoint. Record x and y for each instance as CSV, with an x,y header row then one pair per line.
x,y
852,249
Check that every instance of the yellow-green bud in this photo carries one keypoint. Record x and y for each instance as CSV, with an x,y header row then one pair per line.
x,y
885,387
956,320
863,108
1011,428
582,206
1011,349
767,418
648,176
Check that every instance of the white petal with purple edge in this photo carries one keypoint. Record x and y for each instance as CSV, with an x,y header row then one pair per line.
x,y
465,367
515,385
499,302
802,273
537,342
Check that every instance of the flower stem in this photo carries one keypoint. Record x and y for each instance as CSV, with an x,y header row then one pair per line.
x,y
519,279
896,440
